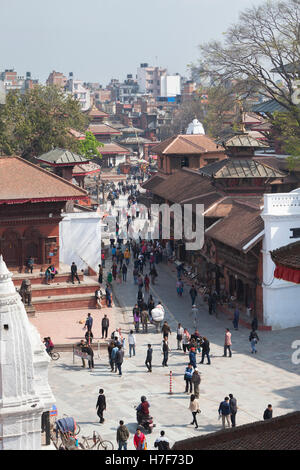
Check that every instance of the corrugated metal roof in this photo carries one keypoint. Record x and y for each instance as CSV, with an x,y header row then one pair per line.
x,y
268,107
244,140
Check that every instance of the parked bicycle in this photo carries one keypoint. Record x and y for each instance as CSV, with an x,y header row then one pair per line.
x,y
95,441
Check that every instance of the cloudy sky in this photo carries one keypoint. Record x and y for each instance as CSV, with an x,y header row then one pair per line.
x,y
101,39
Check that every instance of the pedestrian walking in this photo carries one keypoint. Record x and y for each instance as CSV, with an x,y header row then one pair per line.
x,y
254,323
253,338
162,443
179,336
227,343
185,340
268,413
148,361
136,318
101,405
236,317
88,349
119,359
108,295
193,294
165,351
103,260
113,357
205,350
139,440
144,319
194,408
122,436
188,374
105,326
74,273
89,322
166,329
196,379
224,412
131,343
153,275
114,270
233,409
124,272
179,287
109,278
146,283
192,357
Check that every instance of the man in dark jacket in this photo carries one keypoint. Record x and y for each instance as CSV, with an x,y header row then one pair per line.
x,y
119,359
101,405
74,273
193,294
148,361
87,349
205,350
165,351
224,411
122,436
105,326
196,379
89,322
166,330
233,409
268,414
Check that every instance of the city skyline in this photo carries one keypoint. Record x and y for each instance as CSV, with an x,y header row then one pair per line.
x,y
95,50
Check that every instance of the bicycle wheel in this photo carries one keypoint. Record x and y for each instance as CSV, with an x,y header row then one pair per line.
x,y
55,355
77,429
105,445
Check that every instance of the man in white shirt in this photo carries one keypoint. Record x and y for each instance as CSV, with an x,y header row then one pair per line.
x,y
131,342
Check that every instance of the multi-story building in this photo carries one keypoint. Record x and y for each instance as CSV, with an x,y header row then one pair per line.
x,y
82,94
12,81
148,79
57,78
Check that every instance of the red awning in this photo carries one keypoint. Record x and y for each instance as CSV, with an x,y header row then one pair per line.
x,y
287,274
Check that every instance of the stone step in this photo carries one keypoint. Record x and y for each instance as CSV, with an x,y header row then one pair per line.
x,y
65,302
36,278
59,289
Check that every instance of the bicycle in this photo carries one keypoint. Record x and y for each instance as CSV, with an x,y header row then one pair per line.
x,y
54,355
89,443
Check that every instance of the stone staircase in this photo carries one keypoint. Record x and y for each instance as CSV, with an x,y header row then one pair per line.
x,y
61,294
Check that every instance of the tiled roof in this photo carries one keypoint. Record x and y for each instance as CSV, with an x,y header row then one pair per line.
x,y
86,168
280,433
244,140
240,168
187,144
22,181
103,129
288,255
243,216
131,130
152,182
95,112
183,185
61,157
78,135
112,148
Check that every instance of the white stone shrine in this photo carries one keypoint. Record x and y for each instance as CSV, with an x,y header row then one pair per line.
x,y
24,390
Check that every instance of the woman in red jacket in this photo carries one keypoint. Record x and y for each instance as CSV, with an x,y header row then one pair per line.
x,y
139,440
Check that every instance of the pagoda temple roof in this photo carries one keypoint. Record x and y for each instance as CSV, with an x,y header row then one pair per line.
x,y
103,129
95,112
241,140
86,169
61,157
112,148
240,168
187,144
22,181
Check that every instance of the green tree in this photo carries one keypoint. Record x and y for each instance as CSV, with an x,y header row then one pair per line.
x,y
34,122
89,146
286,130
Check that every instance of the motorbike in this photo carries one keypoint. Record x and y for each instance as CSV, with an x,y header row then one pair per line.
x,y
146,422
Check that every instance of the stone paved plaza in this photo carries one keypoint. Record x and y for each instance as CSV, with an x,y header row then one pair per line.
x,y
268,377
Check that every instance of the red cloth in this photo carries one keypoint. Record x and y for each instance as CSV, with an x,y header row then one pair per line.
x,y
287,274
